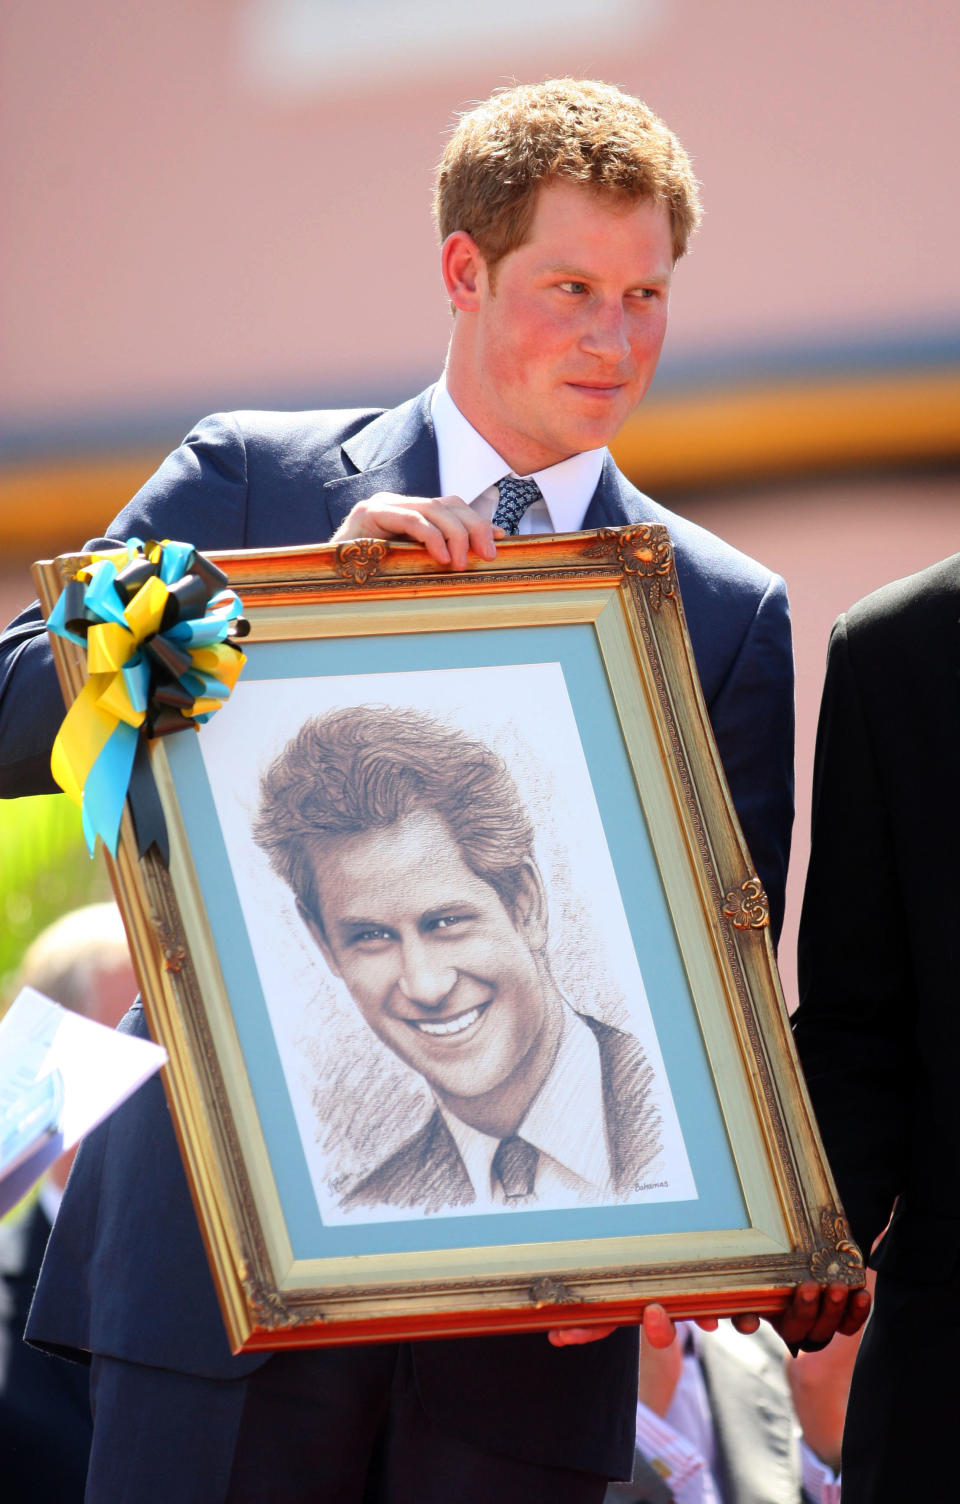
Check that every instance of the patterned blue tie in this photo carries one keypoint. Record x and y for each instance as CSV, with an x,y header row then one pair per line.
x,y
516,495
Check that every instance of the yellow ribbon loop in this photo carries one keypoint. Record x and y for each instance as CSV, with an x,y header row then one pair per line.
x,y
109,646
115,701
220,661
145,611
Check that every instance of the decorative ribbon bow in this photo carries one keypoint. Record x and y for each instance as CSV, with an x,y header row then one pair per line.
x,y
157,623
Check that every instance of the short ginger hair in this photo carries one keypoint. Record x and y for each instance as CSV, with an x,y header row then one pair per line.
x,y
366,767
574,130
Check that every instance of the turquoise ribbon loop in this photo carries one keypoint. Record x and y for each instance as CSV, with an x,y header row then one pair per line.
x,y
136,676
176,561
102,601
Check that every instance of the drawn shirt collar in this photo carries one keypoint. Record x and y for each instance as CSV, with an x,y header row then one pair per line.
x,y
471,468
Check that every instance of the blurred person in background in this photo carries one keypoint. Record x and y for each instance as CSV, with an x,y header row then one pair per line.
x,y
562,209
82,962
729,1418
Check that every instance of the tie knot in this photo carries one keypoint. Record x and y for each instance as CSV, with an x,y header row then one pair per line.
x,y
517,493
515,1166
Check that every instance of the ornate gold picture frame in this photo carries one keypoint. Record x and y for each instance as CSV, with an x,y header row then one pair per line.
x,y
315,1094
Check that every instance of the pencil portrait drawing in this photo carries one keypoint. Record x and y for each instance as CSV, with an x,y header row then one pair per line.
x,y
410,858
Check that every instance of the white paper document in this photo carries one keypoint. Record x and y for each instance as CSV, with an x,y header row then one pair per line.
x,y
60,1075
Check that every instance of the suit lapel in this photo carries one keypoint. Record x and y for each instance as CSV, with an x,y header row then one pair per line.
x,y
616,502
396,452
632,1121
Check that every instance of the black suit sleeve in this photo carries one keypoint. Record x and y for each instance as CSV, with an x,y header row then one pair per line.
x,y
856,985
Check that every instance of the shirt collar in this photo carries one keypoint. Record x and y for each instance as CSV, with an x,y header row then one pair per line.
x,y
469,465
566,1118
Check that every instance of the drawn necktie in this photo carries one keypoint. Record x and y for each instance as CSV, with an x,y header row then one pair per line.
x,y
516,495
515,1166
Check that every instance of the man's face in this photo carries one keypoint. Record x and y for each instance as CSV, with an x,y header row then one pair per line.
x,y
432,959
565,342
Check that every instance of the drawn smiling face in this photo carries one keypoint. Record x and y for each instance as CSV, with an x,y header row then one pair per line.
x,y
434,961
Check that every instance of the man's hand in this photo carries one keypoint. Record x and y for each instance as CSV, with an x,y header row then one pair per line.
x,y
817,1312
448,529
657,1329
814,1314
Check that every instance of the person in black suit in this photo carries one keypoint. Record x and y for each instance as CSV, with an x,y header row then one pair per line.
x,y
878,1028
411,858
563,208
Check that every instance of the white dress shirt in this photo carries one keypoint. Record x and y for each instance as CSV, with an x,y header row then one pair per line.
x,y
684,1440
470,468
565,1122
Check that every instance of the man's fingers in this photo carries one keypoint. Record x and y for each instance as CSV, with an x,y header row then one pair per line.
x,y
795,1322
482,535
462,529
445,525
385,517
815,1315
453,527
746,1324
576,1336
833,1305
658,1329
858,1309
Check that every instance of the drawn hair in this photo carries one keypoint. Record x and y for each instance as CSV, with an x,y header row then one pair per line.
x,y
577,130
364,768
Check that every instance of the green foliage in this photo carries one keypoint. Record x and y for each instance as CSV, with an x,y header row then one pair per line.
x,y
45,871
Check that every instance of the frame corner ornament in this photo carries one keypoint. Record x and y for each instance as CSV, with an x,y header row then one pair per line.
x,y
359,560
747,906
644,553
552,1292
66,567
173,952
838,1260
266,1306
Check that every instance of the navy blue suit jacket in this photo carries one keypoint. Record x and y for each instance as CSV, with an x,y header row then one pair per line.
x,y
126,1273
45,1421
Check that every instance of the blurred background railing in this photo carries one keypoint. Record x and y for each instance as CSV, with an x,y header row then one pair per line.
x,y
225,203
